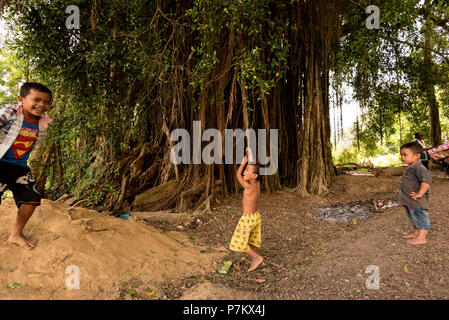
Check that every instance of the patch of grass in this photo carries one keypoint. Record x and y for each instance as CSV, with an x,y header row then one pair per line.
x,y
7,195
151,292
351,295
13,285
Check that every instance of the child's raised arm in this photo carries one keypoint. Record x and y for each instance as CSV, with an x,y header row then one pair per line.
x,y
249,152
240,171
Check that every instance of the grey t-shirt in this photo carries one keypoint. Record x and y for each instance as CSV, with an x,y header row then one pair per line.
x,y
411,182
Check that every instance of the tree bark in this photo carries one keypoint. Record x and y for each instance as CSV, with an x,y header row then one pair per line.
x,y
429,83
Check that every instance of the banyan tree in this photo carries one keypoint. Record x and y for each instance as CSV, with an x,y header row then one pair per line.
x,y
135,71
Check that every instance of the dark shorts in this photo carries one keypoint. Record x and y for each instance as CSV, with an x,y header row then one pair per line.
x,y
21,182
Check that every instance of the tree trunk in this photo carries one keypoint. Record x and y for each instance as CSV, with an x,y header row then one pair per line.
x,y
432,103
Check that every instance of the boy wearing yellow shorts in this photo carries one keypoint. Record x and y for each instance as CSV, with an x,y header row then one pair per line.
x,y
247,234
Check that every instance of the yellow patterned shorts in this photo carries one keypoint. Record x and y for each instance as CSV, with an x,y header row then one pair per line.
x,y
247,232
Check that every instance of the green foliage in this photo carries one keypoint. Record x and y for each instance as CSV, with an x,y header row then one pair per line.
x,y
346,155
387,70
100,74
12,72
114,75
261,54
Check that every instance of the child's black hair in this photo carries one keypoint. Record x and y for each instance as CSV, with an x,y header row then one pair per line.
x,y
414,146
418,135
27,86
256,170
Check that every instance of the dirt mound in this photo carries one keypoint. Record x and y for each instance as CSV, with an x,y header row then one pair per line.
x,y
116,258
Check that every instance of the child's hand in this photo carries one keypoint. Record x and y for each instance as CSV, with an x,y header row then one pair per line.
x,y
415,195
245,159
249,153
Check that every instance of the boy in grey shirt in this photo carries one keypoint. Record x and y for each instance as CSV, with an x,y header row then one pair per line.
x,y
413,192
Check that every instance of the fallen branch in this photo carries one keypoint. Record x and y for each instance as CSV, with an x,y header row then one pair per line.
x,y
353,164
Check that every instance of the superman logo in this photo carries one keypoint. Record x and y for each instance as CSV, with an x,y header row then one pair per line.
x,y
24,142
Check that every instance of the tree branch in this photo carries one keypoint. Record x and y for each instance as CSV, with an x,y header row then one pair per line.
x,y
416,45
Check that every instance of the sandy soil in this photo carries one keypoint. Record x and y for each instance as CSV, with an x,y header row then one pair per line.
x,y
305,257
116,258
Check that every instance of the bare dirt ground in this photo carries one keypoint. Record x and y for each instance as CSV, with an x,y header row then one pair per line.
x,y
308,258
305,257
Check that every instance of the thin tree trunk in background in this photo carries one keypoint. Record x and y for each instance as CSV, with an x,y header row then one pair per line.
x,y
340,103
335,128
432,103
381,125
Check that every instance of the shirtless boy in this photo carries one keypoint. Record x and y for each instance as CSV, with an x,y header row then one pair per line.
x,y
247,235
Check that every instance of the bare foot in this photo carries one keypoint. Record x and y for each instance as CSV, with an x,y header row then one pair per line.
x,y
411,235
255,262
22,241
417,241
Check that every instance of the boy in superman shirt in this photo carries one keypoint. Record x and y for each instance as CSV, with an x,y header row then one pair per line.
x,y
21,128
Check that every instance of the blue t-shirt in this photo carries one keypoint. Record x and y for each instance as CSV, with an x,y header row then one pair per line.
x,y
19,152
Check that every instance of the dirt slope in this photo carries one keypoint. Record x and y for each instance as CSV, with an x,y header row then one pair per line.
x,y
116,258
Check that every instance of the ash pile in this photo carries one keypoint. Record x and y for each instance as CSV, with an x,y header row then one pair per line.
x,y
354,211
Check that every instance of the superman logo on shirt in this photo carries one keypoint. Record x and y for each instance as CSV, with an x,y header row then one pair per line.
x,y
24,141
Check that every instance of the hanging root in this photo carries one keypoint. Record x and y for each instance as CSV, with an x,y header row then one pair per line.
x,y
188,195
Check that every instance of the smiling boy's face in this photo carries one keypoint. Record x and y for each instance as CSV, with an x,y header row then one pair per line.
x,y
409,157
35,104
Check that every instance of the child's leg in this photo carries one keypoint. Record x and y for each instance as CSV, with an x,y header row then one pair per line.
x,y
23,215
421,218
27,198
411,235
256,259
414,233
255,249
420,238
254,242
241,238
